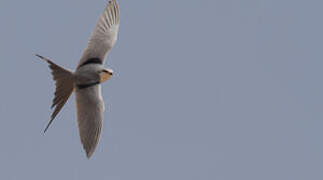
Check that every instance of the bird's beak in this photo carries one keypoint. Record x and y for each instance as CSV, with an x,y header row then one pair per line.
x,y
105,75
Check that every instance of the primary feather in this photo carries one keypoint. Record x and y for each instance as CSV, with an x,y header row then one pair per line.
x,y
104,35
89,110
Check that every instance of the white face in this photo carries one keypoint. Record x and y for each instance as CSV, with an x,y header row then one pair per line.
x,y
105,75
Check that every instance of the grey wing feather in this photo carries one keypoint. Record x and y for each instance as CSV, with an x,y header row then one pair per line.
x,y
104,35
64,87
89,110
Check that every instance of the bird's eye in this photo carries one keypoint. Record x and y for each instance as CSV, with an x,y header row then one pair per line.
x,y
106,71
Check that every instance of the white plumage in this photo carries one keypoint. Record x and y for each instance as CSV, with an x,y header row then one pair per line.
x,y
86,79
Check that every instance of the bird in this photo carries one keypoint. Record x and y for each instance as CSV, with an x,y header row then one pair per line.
x,y
85,81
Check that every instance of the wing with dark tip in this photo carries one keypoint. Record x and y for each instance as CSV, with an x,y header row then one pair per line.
x,y
104,35
64,87
89,110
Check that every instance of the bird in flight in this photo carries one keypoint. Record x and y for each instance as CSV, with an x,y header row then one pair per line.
x,y
86,79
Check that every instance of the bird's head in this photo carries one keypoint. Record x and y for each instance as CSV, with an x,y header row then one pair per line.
x,y
105,74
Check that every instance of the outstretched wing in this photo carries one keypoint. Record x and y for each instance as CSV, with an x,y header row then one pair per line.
x,y
104,35
64,87
89,110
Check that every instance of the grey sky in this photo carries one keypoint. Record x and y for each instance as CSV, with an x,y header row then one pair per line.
x,y
203,90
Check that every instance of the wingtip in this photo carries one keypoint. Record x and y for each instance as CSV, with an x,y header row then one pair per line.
x,y
89,154
89,151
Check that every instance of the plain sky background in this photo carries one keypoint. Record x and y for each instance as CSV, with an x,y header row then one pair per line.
x,y
203,90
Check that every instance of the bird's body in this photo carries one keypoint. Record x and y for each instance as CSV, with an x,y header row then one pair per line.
x,y
86,79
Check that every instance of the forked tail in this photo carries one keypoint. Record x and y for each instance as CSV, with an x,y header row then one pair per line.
x,y
64,82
